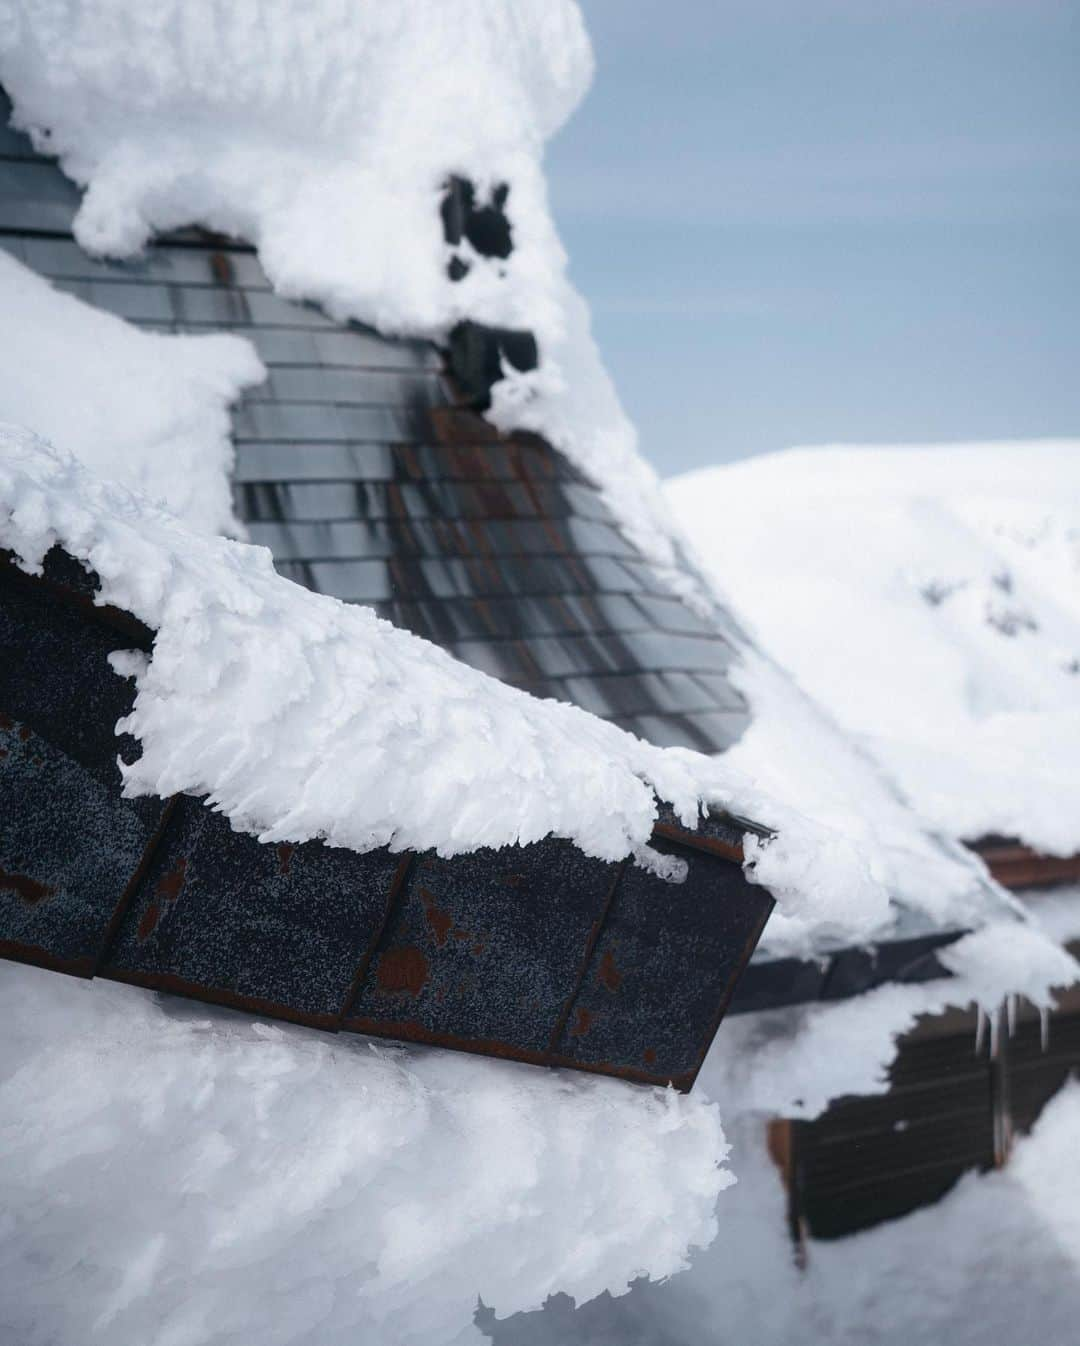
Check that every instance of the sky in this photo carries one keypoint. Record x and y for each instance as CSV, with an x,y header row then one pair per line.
x,y
817,221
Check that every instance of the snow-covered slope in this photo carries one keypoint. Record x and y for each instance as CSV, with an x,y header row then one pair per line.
x,y
929,598
183,1178
150,411
258,1181
145,409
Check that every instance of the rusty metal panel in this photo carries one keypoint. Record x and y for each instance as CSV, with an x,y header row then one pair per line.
x,y
277,928
661,973
450,965
69,844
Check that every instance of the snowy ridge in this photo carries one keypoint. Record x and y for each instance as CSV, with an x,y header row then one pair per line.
x,y
144,409
302,717
324,135
929,598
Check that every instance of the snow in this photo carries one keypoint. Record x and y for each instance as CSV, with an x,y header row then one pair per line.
x,y
996,1260
300,716
149,410
929,599
177,1176
795,752
324,135
1057,911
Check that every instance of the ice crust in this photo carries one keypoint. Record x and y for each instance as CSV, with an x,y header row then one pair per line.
x,y
928,598
174,1176
147,409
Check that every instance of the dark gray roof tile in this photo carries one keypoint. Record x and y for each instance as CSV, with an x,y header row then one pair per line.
x,y
258,461
126,299
35,196
320,422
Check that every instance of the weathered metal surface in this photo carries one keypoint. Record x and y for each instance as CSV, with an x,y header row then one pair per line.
x,y
667,968
535,953
839,974
451,952
69,844
955,1101
279,928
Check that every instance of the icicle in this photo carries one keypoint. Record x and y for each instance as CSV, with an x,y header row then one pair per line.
x,y
1044,1027
995,1033
980,1029
1010,1006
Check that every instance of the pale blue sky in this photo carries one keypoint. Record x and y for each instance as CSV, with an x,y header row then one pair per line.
x,y
800,221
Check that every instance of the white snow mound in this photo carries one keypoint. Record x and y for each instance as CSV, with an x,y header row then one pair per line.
x,y
146,409
196,1178
929,599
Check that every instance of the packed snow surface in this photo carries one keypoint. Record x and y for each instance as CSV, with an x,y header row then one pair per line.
x,y
146,409
325,134
177,1176
929,599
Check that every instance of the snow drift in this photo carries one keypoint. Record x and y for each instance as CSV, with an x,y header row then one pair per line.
x,y
996,1260
146,409
179,1176
929,598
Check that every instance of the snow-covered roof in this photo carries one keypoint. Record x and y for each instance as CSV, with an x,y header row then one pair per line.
x,y
355,466
556,599
328,1190
929,598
